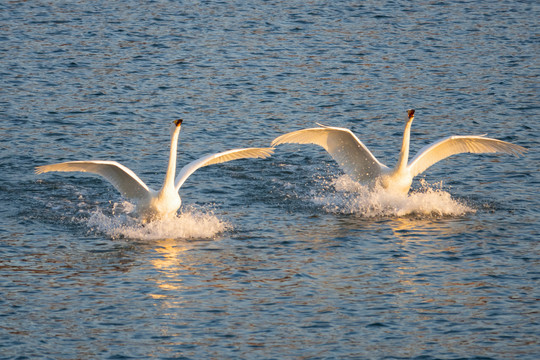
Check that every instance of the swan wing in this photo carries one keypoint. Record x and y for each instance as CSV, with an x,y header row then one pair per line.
x,y
122,178
221,157
453,145
344,147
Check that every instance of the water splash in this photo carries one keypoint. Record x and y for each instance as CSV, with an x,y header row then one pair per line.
x,y
345,196
191,223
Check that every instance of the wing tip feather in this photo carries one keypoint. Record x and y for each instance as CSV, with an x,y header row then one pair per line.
x,y
279,140
260,153
266,152
44,168
519,150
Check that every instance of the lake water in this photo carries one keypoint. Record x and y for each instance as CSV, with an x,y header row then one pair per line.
x,y
283,257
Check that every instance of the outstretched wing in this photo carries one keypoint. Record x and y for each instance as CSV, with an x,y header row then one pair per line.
x,y
453,145
221,157
122,178
344,147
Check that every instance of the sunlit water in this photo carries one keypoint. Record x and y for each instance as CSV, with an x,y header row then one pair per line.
x,y
284,257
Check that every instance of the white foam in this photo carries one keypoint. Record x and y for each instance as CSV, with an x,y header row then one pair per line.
x,y
345,196
191,223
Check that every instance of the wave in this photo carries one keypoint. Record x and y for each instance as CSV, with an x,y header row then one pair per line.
x,y
191,223
345,196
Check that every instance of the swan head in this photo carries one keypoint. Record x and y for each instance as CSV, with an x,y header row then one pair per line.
x,y
410,114
175,126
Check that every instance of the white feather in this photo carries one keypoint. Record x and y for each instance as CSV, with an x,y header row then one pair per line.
x,y
153,204
358,162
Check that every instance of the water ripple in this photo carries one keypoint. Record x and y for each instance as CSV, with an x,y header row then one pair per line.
x,y
283,257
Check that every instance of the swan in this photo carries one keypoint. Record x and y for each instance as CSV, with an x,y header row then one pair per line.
x,y
359,163
152,204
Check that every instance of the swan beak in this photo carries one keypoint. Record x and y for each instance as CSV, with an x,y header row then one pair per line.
x,y
410,112
178,122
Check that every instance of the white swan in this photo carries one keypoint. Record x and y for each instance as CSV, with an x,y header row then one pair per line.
x,y
153,204
359,163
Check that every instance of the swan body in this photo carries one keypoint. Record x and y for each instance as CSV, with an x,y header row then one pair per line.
x,y
358,162
152,204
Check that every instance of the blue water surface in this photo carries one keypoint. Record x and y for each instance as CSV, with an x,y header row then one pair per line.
x,y
281,258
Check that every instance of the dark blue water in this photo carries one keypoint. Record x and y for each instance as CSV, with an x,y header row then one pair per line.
x,y
274,258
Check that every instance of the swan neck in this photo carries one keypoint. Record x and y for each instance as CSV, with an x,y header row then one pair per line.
x,y
404,154
171,168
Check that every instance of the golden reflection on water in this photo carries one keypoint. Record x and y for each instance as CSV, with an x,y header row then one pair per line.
x,y
416,260
169,256
431,269
425,229
421,265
